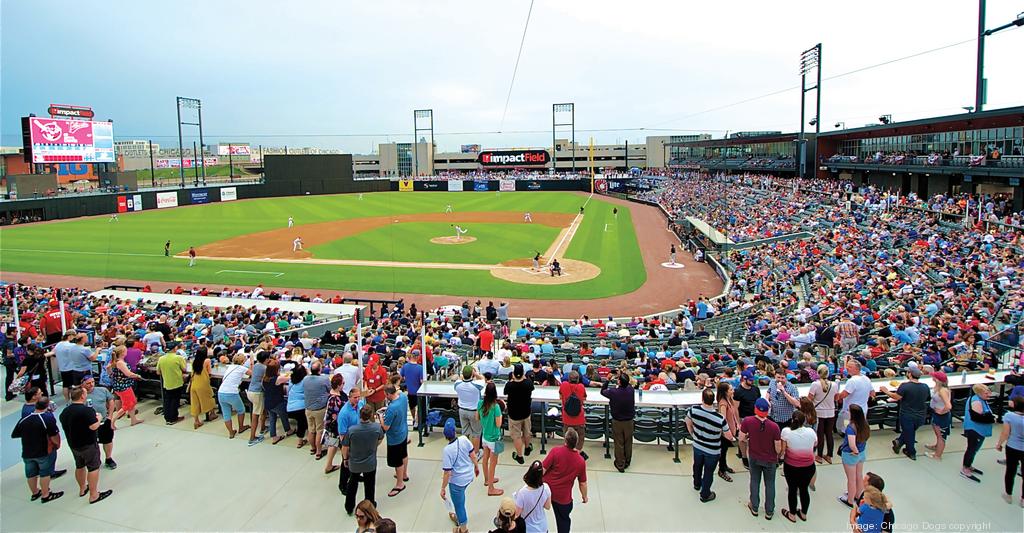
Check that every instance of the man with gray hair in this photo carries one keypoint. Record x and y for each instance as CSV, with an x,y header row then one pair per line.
x,y
857,390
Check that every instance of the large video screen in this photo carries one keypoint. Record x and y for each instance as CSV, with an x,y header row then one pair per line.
x,y
59,140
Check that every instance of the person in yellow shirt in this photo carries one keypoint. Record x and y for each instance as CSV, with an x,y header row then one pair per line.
x,y
171,368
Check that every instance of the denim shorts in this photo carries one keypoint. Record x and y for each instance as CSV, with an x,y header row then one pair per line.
x,y
230,405
40,466
851,459
943,422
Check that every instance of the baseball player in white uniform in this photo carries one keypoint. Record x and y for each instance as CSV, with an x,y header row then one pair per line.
x,y
527,217
297,244
448,208
291,222
459,232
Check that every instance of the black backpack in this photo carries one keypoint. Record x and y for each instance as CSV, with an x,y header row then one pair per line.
x,y
573,405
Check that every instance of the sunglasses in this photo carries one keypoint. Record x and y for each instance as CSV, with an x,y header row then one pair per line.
x,y
360,516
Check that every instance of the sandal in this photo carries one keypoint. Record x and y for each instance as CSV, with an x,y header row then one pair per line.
x,y
495,492
276,440
243,428
53,496
789,516
725,476
321,455
103,495
37,495
302,442
751,509
333,468
802,516
828,459
83,493
395,492
197,424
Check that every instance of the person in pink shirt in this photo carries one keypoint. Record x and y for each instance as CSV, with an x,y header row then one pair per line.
x,y
798,445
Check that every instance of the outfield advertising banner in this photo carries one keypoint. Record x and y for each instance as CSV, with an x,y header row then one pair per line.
x,y
176,163
601,186
507,185
480,185
429,185
405,185
135,202
122,204
200,196
166,199
228,194
455,185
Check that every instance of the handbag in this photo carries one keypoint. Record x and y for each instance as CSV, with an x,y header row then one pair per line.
x,y
19,385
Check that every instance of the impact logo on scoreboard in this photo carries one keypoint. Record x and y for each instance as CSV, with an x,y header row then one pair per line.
x,y
514,158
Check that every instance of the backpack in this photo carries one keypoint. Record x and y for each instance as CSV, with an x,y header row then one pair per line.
x,y
573,405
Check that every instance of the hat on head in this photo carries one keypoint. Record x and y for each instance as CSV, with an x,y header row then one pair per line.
x,y
507,507
761,407
914,372
87,377
53,303
467,372
517,370
449,428
940,376
748,375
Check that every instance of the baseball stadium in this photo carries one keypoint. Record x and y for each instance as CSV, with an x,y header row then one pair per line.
x,y
636,279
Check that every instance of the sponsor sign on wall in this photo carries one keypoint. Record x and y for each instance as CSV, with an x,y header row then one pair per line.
x,y
533,185
455,185
431,185
234,149
507,185
513,158
601,186
122,204
405,185
166,199
479,185
166,162
228,194
199,196
135,202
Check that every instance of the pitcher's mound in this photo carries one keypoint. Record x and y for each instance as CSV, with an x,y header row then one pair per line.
x,y
452,240
521,271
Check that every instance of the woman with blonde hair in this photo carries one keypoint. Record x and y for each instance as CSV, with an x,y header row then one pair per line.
x,y
941,405
201,401
822,395
978,422
870,515
123,379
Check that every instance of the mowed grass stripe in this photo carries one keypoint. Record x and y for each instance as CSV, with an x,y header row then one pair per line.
x,y
144,233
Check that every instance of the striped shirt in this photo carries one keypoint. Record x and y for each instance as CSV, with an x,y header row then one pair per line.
x,y
847,330
708,426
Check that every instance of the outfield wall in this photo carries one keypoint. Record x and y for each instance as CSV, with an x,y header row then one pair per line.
x,y
488,185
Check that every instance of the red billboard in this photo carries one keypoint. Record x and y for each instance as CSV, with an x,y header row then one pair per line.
x,y
122,204
70,111
514,158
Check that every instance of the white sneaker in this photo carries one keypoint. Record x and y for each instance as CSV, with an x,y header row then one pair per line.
x,y
1007,498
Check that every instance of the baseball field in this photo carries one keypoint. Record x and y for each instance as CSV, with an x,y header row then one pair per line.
x,y
401,242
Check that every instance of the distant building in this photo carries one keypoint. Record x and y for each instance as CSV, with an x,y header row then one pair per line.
x,y
133,149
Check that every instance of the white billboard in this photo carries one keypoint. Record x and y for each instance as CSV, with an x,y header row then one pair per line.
x,y
228,193
166,199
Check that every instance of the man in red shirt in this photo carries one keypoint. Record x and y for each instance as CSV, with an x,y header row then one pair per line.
x,y
51,323
375,378
573,416
562,467
486,339
764,445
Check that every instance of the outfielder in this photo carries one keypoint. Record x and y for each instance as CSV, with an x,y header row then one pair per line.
x,y
291,222
448,208
113,218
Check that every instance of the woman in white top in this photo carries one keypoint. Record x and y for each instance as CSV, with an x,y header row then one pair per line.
x,y
823,395
533,499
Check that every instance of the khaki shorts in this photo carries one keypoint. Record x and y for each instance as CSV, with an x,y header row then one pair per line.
x,y
518,428
256,399
315,420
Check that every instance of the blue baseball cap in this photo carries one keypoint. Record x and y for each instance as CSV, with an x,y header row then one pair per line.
x,y
449,429
748,375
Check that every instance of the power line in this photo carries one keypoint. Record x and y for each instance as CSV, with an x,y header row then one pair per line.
x,y
516,69
400,134
835,76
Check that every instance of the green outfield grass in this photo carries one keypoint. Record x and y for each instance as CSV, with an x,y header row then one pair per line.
x,y
411,242
133,247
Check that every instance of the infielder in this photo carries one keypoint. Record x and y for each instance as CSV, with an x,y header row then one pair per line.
x,y
291,222
527,217
191,256
448,208
459,232
297,244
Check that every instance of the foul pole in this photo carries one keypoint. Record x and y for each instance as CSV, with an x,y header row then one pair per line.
x,y
591,157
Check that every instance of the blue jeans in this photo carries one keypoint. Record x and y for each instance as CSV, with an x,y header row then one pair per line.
x,y
758,470
458,496
908,432
704,471
562,521
273,414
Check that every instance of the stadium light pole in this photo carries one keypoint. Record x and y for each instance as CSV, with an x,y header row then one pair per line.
x,y
809,59
555,110
188,103
425,114
980,84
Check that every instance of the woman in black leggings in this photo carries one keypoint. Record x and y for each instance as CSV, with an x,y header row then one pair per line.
x,y
1012,438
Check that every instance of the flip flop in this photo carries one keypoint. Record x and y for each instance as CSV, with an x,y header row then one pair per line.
x,y
395,492
276,440
80,494
37,495
103,495
333,468
320,455
789,516
53,496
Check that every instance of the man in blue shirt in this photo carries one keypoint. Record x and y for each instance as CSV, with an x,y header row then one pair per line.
x,y
412,375
397,432
348,417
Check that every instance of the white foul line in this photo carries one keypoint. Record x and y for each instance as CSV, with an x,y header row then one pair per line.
x,y
276,274
569,234
76,252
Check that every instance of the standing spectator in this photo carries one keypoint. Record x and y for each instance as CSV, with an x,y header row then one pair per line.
x,y
412,376
469,397
518,392
258,420
397,431
622,404
798,444
1012,438
783,398
350,371
727,408
533,499
80,424
200,392
171,368
941,405
853,450
489,412
823,394
857,391
123,380
40,440
573,394
366,517
228,396
102,401
54,323
296,404
913,397
74,359
335,402
275,400
363,440
33,365
746,395
458,461
347,418
375,378
563,467
316,389
978,421
847,335
764,445
707,427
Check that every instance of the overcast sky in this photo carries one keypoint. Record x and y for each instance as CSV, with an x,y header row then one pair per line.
x,y
343,74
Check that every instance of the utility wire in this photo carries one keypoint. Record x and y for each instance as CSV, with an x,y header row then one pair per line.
x,y
399,134
516,69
